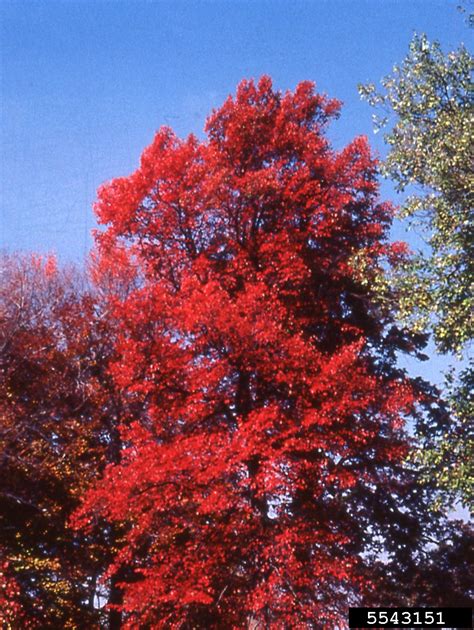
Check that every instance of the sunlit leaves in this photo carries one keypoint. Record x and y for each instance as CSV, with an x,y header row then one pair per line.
x,y
429,114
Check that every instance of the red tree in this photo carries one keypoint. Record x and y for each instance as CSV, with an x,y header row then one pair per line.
x,y
263,464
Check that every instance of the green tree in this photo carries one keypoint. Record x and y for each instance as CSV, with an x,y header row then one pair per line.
x,y
425,105
428,98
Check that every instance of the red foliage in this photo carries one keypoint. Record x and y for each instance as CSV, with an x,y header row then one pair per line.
x,y
11,611
268,413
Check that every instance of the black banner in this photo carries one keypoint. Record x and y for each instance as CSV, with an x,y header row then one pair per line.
x,y
410,618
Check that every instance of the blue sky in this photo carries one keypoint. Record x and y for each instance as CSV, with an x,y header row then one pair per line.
x,y
85,85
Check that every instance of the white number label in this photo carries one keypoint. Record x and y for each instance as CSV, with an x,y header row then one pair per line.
x,y
405,618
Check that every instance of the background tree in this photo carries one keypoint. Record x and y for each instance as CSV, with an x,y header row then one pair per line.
x,y
427,102
58,416
266,469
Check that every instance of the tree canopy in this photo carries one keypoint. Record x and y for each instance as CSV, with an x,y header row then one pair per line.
x,y
427,102
58,417
429,114
266,470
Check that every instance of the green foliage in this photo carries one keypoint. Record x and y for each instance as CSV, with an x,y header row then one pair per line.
x,y
427,107
450,461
